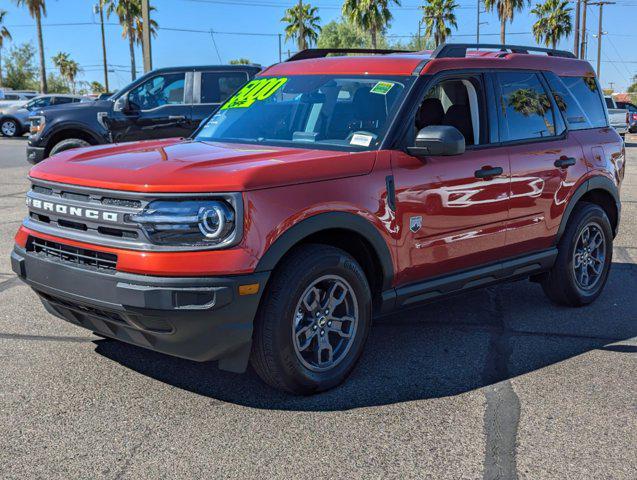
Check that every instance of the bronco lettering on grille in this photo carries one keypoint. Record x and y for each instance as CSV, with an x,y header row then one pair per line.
x,y
62,209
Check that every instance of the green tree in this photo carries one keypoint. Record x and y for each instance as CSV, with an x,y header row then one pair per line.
x,y
4,35
302,24
369,15
97,87
128,12
138,24
20,68
553,21
240,61
56,83
438,16
341,34
37,10
506,9
68,68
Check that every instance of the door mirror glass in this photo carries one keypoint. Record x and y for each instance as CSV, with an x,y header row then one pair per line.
x,y
123,104
438,140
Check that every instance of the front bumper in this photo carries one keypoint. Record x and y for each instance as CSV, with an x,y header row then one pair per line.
x,y
196,318
35,154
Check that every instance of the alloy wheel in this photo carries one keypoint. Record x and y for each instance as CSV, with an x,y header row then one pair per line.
x,y
589,257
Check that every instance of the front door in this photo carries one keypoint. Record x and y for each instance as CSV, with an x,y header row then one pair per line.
x,y
451,211
160,107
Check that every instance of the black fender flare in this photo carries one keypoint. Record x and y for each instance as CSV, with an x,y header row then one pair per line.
x,y
595,183
62,126
325,221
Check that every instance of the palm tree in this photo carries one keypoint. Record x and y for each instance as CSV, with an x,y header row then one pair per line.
x,y
37,10
553,23
302,24
127,11
437,15
138,25
369,15
530,102
4,35
68,68
506,9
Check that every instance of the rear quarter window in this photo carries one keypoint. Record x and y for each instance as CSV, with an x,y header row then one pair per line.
x,y
585,90
568,104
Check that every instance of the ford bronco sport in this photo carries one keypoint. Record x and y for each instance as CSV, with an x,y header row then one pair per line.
x,y
328,191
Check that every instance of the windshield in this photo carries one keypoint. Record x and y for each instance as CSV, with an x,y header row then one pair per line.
x,y
324,111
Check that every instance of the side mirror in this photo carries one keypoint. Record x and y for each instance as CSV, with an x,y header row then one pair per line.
x,y
123,104
438,140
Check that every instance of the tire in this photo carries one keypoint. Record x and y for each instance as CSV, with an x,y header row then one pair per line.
x,y
277,353
67,145
10,128
563,283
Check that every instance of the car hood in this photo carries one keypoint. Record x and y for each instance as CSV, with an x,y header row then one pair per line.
x,y
177,165
83,106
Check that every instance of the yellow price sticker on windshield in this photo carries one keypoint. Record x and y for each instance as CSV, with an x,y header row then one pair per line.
x,y
255,90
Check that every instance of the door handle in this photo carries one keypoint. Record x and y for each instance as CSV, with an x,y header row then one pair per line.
x,y
565,162
488,172
176,118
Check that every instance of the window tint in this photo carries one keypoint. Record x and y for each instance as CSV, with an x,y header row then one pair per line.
x,y
568,104
584,89
61,100
11,96
38,102
217,87
161,90
609,102
525,107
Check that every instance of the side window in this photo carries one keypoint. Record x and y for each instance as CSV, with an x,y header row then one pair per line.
x,y
166,89
525,107
38,103
569,105
455,103
61,100
217,87
585,90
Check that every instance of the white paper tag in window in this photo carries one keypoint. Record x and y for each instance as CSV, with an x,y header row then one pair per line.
x,y
360,139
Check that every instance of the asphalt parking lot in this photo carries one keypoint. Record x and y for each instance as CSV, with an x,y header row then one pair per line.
x,y
496,384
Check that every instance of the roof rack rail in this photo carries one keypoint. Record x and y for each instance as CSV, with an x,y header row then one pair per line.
x,y
459,50
324,52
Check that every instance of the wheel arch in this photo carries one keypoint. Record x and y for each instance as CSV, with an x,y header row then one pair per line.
x,y
67,131
599,190
350,232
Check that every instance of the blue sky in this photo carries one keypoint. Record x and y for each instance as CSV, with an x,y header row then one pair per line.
x,y
227,17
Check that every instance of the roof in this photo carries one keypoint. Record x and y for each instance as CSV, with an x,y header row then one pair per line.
x,y
422,63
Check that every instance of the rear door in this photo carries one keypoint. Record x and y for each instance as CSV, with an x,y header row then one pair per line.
x,y
546,160
212,88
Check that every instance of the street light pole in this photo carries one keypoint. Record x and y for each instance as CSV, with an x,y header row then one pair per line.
x,y
146,49
576,35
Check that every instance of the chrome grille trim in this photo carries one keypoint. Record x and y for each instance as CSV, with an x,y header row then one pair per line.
x,y
114,214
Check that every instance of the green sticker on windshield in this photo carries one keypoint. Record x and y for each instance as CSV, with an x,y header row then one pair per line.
x,y
382,88
255,90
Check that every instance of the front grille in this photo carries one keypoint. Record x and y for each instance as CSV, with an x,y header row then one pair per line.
x,y
67,254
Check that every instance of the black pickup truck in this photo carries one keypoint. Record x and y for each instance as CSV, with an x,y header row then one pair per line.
x,y
168,102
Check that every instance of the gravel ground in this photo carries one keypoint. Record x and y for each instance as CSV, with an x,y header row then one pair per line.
x,y
499,385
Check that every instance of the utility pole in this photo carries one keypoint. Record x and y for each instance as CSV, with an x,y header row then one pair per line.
x,y
99,9
146,50
578,7
599,35
280,56
583,31
479,23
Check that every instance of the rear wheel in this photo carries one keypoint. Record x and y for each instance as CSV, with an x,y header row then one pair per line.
x,y
313,321
68,144
10,128
583,262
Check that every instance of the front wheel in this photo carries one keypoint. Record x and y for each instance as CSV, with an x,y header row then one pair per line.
x,y
313,321
10,128
585,253
68,144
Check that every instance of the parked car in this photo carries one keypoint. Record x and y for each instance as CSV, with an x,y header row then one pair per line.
x,y
14,121
619,117
10,98
632,115
169,102
326,192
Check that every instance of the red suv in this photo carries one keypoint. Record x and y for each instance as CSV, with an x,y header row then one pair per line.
x,y
328,191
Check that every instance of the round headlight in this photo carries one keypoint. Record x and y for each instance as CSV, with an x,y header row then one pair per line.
x,y
212,221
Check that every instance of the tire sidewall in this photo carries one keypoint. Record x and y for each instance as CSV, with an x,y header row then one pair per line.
x,y
335,264
589,214
68,144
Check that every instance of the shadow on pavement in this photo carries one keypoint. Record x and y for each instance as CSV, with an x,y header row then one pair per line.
x,y
446,348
